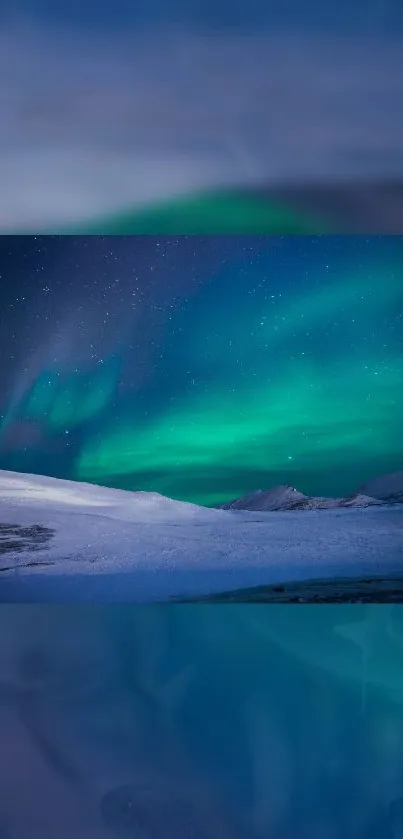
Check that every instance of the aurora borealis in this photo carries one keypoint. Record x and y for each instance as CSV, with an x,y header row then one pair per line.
x,y
202,367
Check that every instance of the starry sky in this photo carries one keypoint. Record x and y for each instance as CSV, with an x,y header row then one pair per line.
x,y
202,367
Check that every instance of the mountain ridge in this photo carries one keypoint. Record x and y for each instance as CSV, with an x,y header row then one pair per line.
x,y
380,490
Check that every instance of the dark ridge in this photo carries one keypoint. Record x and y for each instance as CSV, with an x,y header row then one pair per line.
x,y
340,590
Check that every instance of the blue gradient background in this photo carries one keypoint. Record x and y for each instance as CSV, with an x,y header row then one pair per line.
x,y
254,721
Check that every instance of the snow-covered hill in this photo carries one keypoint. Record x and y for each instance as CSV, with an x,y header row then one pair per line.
x,y
66,541
385,487
289,498
278,498
359,499
54,493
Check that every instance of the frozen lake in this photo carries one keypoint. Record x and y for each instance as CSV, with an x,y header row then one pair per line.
x,y
213,722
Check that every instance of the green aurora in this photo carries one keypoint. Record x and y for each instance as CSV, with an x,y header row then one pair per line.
x,y
284,365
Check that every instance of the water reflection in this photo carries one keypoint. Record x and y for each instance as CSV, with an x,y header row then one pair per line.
x,y
201,721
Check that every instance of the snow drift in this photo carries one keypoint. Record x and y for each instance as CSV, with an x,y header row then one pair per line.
x,y
66,541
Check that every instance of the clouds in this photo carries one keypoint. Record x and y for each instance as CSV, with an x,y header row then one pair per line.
x,y
94,125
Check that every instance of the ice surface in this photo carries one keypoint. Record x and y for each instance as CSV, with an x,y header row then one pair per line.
x,y
107,544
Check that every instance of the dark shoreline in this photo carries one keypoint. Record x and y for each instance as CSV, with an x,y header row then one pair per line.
x,y
374,589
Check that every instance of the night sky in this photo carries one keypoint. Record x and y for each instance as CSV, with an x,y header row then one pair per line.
x,y
202,367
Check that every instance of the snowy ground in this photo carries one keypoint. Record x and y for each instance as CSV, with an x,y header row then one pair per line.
x,y
61,541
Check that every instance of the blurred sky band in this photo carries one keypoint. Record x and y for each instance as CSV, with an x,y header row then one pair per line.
x,y
200,116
